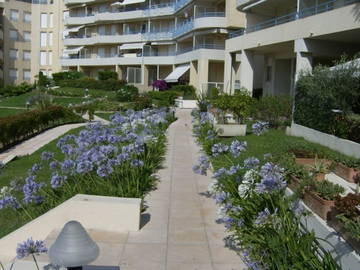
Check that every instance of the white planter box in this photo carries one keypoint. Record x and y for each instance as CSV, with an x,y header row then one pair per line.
x,y
230,130
186,104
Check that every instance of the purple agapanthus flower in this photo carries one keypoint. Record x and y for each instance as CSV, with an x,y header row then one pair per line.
x,y
202,166
57,180
237,147
104,170
251,163
260,127
9,201
136,163
218,149
30,189
46,155
30,247
262,217
272,178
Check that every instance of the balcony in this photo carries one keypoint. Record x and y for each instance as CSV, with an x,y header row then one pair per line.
x,y
303,13
73,2
165,9
212,51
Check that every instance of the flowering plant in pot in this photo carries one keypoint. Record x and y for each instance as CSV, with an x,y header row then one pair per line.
x,y
319,169
347,172
320,197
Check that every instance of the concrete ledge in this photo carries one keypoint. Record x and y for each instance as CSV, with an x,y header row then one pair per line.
x,y
332,242
93,212
343,146
230,130
186,104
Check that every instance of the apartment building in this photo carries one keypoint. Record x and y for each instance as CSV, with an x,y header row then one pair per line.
x,y
146,40
1,43
283,37
31,38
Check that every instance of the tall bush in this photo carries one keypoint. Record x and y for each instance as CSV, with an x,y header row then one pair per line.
x,y
127,93
104,75
326,97
108,85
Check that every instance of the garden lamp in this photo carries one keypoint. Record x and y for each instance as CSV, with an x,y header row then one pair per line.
x,y
73,248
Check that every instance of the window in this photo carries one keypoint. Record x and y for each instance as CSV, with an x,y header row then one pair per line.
x,y
101,30
27,55
51,20
13,34
26,74
13,73
50,55
50,41
134,75
14,15
13,54
27,17
43,61
43,41
43,20
65,15
27,36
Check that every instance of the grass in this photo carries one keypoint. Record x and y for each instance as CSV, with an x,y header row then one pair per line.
x,y
105,116
80,92
278,144
17,170
4,112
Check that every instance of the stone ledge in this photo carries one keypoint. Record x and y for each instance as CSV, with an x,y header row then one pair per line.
x,y
93,212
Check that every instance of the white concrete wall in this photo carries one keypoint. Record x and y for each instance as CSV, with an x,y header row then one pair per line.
x,y
93,212
343,146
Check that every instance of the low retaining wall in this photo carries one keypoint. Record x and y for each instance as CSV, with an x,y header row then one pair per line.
x,y
186,104
341,145
93,212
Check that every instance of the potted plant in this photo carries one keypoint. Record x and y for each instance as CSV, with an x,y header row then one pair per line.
x,y
346,172
319,169
320,197
239,106
345,219
297,177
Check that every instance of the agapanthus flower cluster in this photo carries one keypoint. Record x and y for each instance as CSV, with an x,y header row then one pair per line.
x,y
260,127
30,247
237,147
247,183
272,178
265,216
218,149
202,166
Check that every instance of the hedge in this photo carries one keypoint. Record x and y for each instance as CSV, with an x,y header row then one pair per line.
x,y
21,126
164,98
16,90
67,75
109,85
329,101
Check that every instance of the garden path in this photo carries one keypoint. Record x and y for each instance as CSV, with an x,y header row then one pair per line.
x,y
181,232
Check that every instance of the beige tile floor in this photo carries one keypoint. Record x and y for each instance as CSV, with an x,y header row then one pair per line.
x,y
179,230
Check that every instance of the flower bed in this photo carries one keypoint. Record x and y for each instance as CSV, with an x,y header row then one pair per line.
x,y
264,224
111,160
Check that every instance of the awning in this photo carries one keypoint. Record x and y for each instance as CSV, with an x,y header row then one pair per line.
x,y
132,46
73,50
163,43
127,2
177,73
74,29
254,4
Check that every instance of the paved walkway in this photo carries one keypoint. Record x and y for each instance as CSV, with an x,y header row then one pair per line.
x,y
31,145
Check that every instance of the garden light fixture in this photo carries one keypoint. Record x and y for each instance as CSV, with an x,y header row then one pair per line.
x,y
73,248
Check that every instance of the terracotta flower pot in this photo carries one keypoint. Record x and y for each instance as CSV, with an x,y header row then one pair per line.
x,y
339,227
319,177
305,161
346,172
319,205
294,183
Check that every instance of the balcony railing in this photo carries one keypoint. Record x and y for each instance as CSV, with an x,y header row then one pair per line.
x,y
184,27
317,9
210,14
151,53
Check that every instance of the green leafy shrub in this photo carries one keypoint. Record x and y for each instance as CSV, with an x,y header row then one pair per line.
x,y
104,75
327,190
127,93
276,110
189,91
142,102
21,126
12,90
325,98
67,75
164,98
109,85
42,80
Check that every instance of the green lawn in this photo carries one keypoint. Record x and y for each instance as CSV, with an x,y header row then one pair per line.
x,y
80,92
17,170
279,144
16,101
105,116
8,112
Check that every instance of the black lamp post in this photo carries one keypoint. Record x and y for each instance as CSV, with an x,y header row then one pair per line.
x,y
73,248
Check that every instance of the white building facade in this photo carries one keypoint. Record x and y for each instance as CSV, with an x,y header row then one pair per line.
x,y
148,40
283,37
